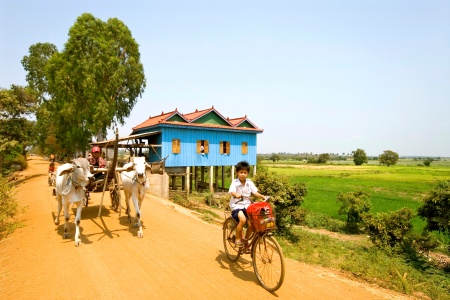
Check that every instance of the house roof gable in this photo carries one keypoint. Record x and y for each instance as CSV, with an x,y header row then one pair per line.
x,y
209,118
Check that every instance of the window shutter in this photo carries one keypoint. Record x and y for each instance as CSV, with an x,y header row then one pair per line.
x,y
206,146
221,147
199,143
228,147
244,148
176,146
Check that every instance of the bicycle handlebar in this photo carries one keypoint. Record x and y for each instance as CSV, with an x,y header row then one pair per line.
x,y
242,198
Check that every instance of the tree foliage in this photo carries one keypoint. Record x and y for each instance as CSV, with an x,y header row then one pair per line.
x,y
436,208
353,205
388,158
359,157
286,198
16,130
274,157
35,65
92,84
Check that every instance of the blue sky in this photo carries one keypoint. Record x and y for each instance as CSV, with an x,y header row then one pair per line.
x,y
318,76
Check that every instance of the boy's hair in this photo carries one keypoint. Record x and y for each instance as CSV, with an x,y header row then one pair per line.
x,y
243,165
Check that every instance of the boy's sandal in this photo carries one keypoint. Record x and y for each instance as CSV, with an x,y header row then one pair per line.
x,y
239,244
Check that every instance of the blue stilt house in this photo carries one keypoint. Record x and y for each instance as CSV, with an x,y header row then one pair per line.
x,y
198,143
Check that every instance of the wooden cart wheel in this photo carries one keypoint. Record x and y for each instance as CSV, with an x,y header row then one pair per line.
x,y
114,193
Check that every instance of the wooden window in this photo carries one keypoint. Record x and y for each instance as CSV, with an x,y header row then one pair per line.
x,y
224,147
244,148
202,147
176,146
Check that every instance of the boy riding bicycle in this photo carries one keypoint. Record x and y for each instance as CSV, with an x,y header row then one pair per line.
x,y
241,189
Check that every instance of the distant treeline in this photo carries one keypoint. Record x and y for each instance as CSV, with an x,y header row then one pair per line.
x,y
332,156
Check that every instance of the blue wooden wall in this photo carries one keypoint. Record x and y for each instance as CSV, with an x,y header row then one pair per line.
x,y
188,155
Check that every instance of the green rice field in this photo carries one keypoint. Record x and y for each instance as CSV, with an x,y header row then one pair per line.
x,y
391,188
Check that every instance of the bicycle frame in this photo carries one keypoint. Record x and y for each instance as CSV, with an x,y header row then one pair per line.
x,y
251,240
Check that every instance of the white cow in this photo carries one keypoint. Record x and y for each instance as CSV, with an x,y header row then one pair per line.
x,y
71,178
135,183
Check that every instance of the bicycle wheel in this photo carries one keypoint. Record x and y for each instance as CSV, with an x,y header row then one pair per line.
x,y
268,262
229,235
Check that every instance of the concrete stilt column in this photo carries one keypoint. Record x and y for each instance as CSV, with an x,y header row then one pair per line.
x,y
211,179
188,180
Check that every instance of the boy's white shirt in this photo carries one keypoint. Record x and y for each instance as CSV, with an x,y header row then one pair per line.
x,y
245,190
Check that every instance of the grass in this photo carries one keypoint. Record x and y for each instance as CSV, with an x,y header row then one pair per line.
x,y
360,259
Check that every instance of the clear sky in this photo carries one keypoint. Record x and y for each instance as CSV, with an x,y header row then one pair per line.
x,y
321,76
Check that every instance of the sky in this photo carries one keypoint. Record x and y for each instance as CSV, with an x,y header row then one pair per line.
x,y
318,76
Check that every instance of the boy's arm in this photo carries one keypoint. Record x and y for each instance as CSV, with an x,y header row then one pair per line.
x,y
259,195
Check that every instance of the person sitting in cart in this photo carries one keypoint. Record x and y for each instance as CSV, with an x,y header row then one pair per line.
x,y
241,189
51,171
97,161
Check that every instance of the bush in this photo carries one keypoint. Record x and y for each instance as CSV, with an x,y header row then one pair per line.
x,y
8,208
353,204
420,242
286,198
436,208
14,157
427,162
387,230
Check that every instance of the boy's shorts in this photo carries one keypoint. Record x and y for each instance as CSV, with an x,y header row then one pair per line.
x,y
235,213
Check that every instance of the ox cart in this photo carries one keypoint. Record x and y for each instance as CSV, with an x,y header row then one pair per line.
x,y
107,178
110,179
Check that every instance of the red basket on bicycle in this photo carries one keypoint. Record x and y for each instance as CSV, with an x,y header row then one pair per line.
x,y
261,216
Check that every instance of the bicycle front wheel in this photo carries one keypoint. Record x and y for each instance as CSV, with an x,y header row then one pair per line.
x,y
268,262
229,236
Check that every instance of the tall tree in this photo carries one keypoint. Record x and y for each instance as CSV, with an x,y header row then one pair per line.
x,y
35,64
388,158
94,82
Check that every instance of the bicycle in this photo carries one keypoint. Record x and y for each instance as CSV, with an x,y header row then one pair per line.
x,y
267,255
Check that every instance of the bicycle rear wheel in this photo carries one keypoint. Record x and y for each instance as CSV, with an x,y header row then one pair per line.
x,y
268,262
229,235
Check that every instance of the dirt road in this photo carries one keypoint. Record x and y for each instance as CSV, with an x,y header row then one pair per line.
x,y
179,257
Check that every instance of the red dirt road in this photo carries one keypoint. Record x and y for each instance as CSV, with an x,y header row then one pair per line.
x,y
179,257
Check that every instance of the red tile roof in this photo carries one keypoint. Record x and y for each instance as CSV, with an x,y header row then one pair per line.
x,y
191,117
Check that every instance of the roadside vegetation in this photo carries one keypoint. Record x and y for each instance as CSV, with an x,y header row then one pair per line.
x,y
9,209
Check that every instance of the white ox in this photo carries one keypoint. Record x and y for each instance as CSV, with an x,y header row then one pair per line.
x,y
135,184
71,178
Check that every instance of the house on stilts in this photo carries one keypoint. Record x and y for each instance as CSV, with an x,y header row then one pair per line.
x,y
195,149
